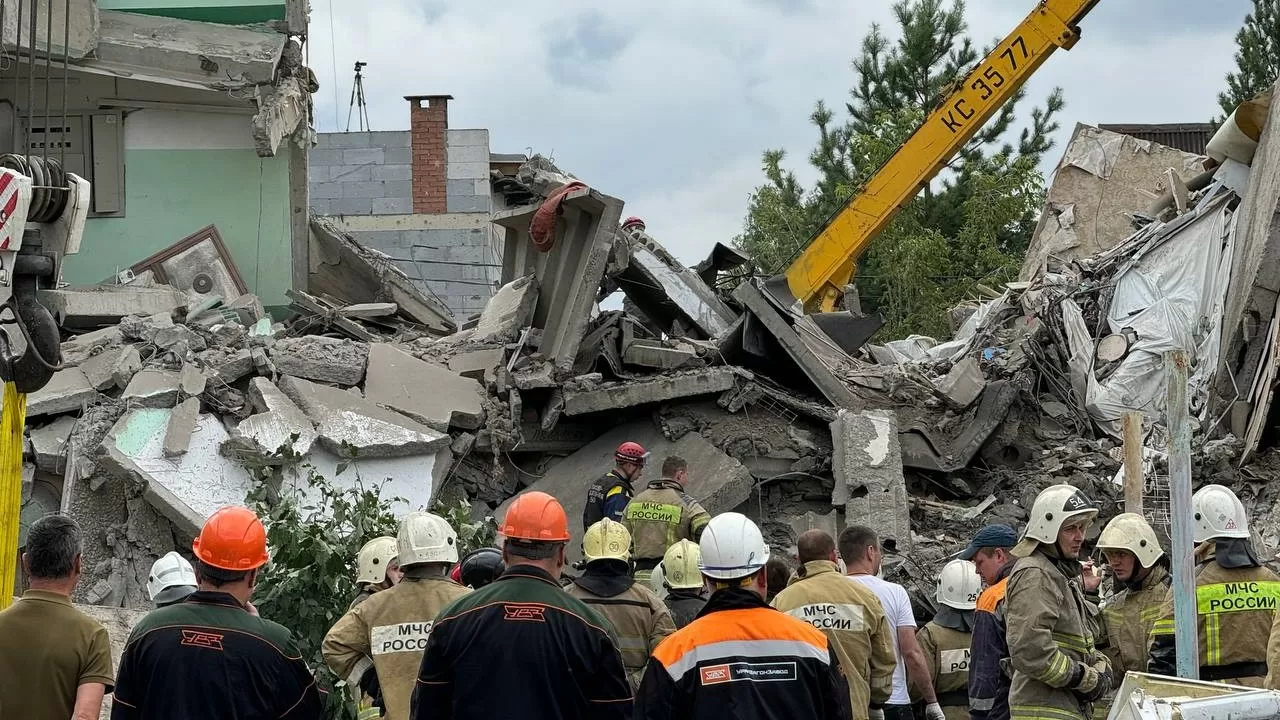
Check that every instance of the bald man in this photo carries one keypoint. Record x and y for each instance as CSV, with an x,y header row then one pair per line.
x,y
852,618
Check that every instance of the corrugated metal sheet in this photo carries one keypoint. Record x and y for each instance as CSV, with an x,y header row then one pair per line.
x,y
1188,137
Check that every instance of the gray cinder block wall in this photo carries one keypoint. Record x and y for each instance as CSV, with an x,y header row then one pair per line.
x,y
453,254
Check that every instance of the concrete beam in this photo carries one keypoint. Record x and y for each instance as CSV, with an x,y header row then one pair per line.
x,y
348,424
444,221
82,33
204,54
98,305
642,392
867,464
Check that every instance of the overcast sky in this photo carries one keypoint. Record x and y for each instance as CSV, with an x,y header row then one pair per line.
x,y
668,105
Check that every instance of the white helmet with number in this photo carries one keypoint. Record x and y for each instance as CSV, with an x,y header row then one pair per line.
x,y
426,538
1129,531
607,540
1054,506
680,566
373,559
959,585
732,547
1218,513
172,578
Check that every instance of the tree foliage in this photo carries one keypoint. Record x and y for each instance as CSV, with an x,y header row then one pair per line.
x,y
314,534
1257,55
968,227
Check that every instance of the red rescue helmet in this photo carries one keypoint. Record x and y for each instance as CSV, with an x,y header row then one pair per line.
x,y
633,222
631,452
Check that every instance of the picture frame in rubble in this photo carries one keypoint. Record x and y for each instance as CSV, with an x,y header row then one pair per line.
x,y
199,263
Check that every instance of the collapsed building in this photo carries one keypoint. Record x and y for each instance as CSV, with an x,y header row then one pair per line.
x,y
172,403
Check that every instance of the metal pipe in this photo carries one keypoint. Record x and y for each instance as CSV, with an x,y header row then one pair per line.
x,y
1184,580
48,71
17,74
31,79
66,59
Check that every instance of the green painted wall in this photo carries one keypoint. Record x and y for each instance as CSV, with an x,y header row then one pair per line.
x,y
170,194
227,12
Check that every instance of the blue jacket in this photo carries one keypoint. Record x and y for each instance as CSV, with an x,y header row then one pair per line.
x,y
988,682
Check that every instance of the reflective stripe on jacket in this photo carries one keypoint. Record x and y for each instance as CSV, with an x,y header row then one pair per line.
x,y
1127,619
742,659
606,498
660,516
947,652
1235,610
853,620
988,683
388,632
1050,636
640,621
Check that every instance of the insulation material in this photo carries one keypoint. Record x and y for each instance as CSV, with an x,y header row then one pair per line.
x,y
1095,151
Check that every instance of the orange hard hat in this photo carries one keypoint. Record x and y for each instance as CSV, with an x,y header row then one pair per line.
x,y
535,516
233,538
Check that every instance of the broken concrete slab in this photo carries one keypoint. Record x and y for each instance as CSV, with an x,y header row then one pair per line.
x,y
94,306
964,383
68,391
867,464
614,396
509,311
537,377
145,327
185,490
178,339
227,367
262,363
153,389
182,423
405,483
192,381
100,369
569,273
323,359
349,425
475,364
829,523
128,365
82,347
430,394
280,106
49,444
278,421
717,481
655,354
666,291
818,373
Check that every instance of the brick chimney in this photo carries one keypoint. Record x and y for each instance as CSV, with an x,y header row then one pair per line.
x,y
428,128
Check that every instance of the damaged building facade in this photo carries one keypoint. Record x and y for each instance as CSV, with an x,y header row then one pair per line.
x,y
183,117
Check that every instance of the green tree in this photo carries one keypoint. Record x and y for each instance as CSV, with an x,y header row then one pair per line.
x,y
968,227
1257,55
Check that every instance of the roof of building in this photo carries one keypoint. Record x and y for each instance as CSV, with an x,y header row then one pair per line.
x,y
1188,137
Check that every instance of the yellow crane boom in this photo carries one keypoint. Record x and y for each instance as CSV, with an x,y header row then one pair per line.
x,y
817,278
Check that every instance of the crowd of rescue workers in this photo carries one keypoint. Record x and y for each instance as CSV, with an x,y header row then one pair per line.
x,y
673,613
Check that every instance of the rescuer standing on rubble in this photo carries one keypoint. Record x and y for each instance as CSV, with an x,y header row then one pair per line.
x,y
376,568
686,593
945,640
741,659
171,580
521,647
1235,596
860,548
662,514
988,683
208,657
1141,579
608,496
851,617
1057,671
640,620
377,646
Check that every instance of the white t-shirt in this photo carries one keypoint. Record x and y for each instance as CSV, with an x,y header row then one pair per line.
x,y
897,609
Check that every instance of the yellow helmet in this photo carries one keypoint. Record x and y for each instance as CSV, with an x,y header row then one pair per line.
x,y
607,540
680,566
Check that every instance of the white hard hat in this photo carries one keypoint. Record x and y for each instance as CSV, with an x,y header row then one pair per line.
x,y
171,579
959,585
607,540
373,559
426,538
658,581
680,566
732,547
1053,508
1218,513
1129,531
